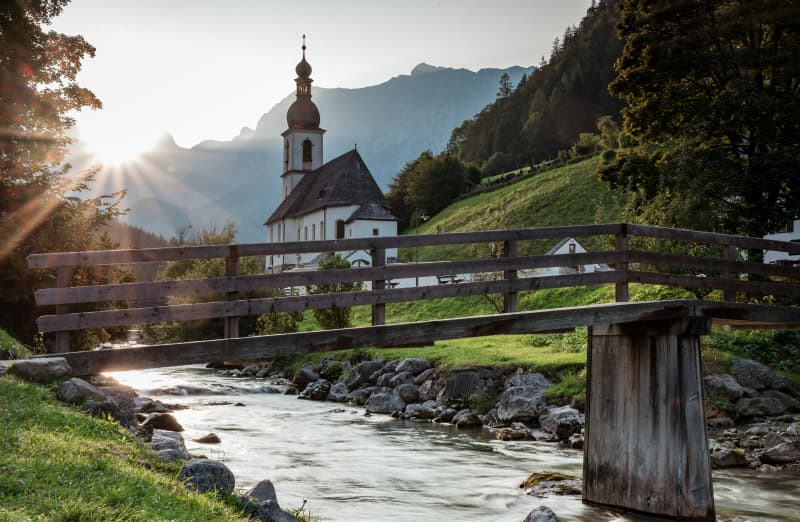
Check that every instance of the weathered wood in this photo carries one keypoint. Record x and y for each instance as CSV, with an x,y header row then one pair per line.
x,y
713,238
232,270
510,298
713,265
106,257
715,283
730,255
646,447
378,309
250,307
63,279
621,242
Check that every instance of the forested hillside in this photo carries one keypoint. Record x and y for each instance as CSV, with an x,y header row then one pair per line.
x,y
546,113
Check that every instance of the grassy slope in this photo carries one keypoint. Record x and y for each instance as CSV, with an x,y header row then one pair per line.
x,y
58,464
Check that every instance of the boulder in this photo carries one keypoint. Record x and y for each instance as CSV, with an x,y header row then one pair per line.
x,y
211,438
401,378
548,483
723,385
75,391
414,365
360,375
428,390
759,407
317,390
148,405
163,421
45,369
528,379
466,418
359,396
783,453
251,370
338,392
408,392
541,514
383,402
304,376
121,409
720,423
789,402
384,379
727,458
204,476
755,375
446,415
562,421
168,446
524,402
516,431
424,376
426,410
261,503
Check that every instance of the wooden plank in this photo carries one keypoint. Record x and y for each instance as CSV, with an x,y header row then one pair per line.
x,y
730,255
162,289
106,257
715,283
621,242
232,270
709,264
713,238
63,279
510,298
406,334
378,309
250,307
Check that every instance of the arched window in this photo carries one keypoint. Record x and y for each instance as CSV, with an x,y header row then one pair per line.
x,y
286,156
307,154
305,233
339,229
313,231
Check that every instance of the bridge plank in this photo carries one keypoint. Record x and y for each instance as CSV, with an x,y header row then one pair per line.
x,y
713,238
716,283
708,264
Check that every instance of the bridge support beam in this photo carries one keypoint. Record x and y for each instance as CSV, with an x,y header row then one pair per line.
x,y
645,446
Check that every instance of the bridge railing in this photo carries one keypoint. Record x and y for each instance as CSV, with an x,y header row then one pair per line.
x,y
654,262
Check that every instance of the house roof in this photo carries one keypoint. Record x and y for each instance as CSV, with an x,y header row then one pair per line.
x,y
343,181
561,243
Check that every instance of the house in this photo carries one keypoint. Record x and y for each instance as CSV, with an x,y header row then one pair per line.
x,y
570,245
335,200
791,232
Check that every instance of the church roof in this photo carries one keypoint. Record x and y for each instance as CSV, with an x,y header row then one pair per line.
x,y
343,181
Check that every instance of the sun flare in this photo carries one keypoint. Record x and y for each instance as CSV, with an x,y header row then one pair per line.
x,y
117,148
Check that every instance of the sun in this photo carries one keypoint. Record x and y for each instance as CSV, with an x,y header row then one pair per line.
x,y
117,148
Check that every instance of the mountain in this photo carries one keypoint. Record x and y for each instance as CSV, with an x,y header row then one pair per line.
x,y
391,123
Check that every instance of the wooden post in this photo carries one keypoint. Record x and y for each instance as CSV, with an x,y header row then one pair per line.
x,y
621,243
232,270
378,310
730,255
63,280
510,299
645,436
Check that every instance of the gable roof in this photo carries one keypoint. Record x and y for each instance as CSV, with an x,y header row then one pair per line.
x,y
343,181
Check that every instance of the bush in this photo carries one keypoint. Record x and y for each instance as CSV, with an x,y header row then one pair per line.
x,y
778,349
10,348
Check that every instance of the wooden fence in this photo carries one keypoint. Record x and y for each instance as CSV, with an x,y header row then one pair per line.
x,y
637,249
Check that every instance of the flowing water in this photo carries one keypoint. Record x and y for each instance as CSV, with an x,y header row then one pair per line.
x,y
355,468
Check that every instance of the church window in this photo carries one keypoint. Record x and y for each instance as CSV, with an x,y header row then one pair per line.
x,y
321,231
339,229
305,233
313,231
375,232
286,157
307,154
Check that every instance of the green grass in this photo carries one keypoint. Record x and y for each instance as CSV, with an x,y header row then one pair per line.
x,y
10,348
57,464
569,195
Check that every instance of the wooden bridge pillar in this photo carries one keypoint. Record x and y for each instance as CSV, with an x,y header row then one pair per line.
x,y
645,446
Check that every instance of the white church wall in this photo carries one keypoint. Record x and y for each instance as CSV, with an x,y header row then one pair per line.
x,y
791,233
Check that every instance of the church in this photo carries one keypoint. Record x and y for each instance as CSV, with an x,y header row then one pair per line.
x,y
335,200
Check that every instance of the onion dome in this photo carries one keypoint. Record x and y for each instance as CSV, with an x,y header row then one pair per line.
x,y
303,114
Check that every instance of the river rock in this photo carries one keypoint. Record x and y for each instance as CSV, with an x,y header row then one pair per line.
x,y
261,503
317,390
359,396
466,418
753,374
562,421
168,446
163,421
428,390
414,365
401,378
76,390
789,402
783,453
121,409
383,402
525,402
517,431
211,438
384,379
251,370
45,369
338,392
148,405
720,423
408,392
549,483
722,457
304,376
360,375
528,379
758,407
205,476
426,410
723,385
541,514
424,376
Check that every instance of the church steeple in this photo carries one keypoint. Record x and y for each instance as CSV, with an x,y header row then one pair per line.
x,y
303,114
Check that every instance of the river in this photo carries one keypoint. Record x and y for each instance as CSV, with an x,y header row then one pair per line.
x,y
355,468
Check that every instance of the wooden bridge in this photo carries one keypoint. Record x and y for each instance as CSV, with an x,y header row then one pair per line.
x,y
645,437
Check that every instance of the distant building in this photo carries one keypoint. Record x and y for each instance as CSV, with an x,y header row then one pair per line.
x,y
570,245
791,232
335,200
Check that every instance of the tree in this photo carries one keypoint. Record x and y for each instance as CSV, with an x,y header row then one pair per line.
x,y
713,87
505,86
40,205
335,316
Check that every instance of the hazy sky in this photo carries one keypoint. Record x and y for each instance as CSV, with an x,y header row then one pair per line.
x,y
203,69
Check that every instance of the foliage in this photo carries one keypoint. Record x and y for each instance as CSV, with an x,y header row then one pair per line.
x,y
570,385
10,348
40,205
713,88
429,184
58,464
279,322
335,316
778,349
506,88
561,99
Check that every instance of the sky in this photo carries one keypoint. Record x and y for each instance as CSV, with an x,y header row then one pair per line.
x,y
203,69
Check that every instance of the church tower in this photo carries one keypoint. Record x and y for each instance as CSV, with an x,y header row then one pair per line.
x,y
302,141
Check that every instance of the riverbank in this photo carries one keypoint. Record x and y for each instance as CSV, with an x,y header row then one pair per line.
x,y
57,463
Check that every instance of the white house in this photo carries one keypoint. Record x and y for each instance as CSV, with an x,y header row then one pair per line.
x,y
334,200
791,232
569,245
